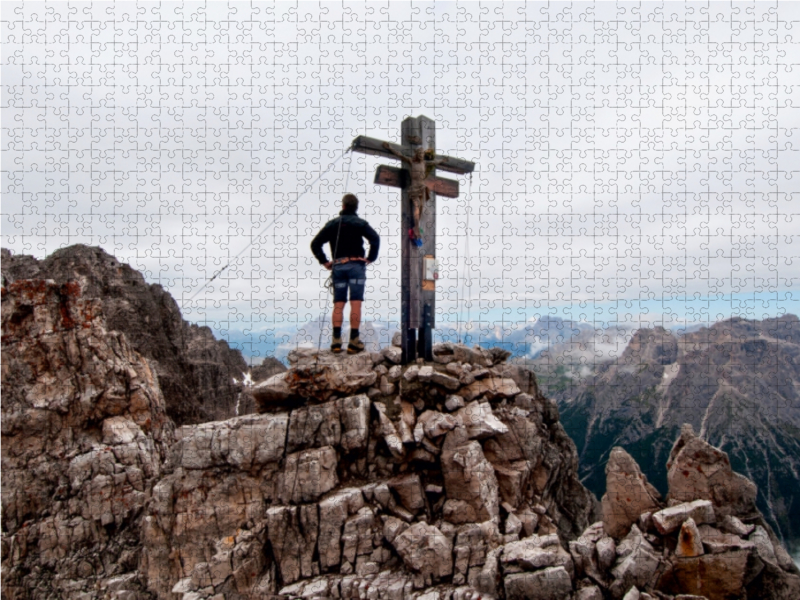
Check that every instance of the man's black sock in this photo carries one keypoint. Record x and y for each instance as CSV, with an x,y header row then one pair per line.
x,y
353,334
337,332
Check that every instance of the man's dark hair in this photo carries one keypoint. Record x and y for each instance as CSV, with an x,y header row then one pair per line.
x,y
349,201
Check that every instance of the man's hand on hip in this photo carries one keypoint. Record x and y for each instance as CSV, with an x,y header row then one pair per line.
x,y
328,265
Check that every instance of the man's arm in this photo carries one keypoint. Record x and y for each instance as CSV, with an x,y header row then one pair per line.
x,y
374,242
319,240
400,155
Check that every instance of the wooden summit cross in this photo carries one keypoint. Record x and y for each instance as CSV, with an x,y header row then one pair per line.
x,y
418,181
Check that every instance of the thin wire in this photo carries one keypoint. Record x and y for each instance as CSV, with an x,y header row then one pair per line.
x,y
261,233
466,258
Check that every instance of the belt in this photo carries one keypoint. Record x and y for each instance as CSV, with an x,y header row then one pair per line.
x,y
341,261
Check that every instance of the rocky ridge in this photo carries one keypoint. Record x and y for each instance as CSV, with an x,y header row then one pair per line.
x,y
84,437
359,474
358,478
195,370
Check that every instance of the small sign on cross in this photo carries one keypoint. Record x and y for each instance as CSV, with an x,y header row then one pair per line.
x,y
420,185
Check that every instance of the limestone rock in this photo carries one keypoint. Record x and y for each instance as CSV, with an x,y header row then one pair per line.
x,y
538,552
408,488
355,422
589,593
273,393
426,550
454,402
606,553
319,375
293,532
669,519
492,388
714,576
733,525
242,442
637,565
309,474
198,375
394,354
84,438
386,387
764,547
479,421
448,352
628,494
436,424
548,584
717,542
697,470
333,512
469,481
690,544
388,432
446,381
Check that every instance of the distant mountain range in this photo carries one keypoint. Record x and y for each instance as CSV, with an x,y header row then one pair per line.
x,y
738,384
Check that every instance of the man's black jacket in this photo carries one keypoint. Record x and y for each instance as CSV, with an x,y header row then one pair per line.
x,y
350,244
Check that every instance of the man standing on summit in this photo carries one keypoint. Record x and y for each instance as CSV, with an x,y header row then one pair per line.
x,y
349,267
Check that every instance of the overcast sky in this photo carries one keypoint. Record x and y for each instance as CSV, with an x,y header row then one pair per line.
x,y
636,164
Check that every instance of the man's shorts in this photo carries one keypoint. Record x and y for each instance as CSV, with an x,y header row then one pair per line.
x,y
351,275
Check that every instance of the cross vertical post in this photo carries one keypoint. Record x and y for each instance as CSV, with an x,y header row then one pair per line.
x,y
418,254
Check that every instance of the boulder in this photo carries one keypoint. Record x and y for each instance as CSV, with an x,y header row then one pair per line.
x,y
393,354
469,481
479,421
449,352
552,583
446,381
355,422
537,552
491,388
436,424
698,470
386,387
628,494
454,402
389,434
636,566
669,519
589,593
426,550
717,542
764,547
714,576
273,393
408,488
733,525
690,544
606,553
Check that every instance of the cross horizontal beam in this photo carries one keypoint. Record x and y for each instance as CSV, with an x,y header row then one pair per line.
x,y
398,178
368,145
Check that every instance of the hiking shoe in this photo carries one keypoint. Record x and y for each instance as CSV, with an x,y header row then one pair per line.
x,y
355,346
336,345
